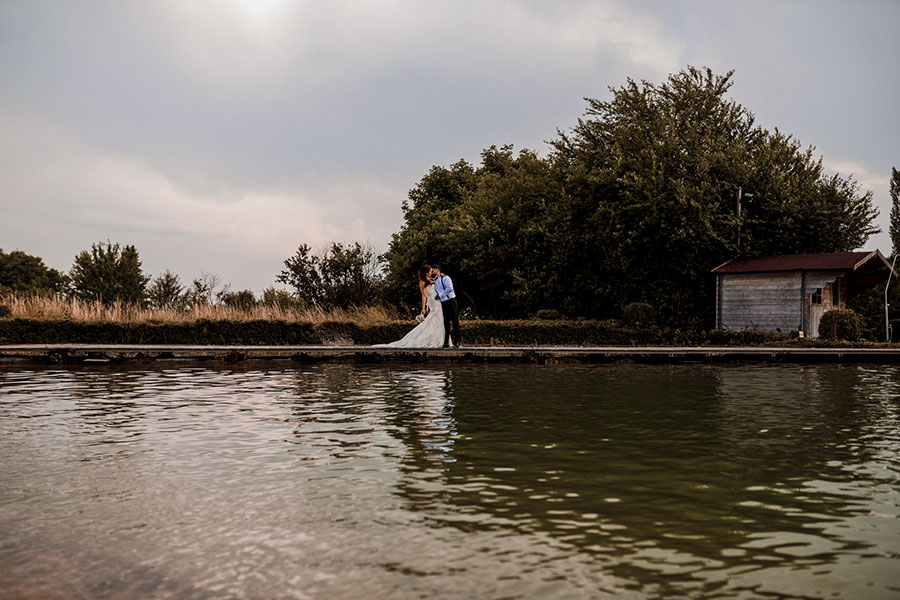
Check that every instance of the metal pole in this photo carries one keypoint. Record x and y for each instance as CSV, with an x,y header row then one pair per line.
x,y
887,326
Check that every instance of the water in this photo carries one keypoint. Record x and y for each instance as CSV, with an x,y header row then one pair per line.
x,y
339,481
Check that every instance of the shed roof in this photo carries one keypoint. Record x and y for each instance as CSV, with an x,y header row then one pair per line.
x,y
831,261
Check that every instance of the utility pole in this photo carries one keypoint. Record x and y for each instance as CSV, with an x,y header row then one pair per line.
x,y
887,324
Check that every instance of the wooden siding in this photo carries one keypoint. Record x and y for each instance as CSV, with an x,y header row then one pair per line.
x,y
770,301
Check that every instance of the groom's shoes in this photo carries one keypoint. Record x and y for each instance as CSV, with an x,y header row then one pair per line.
x,y
456,345
445,346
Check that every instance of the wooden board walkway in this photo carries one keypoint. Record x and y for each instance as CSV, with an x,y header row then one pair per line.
x,y
105,353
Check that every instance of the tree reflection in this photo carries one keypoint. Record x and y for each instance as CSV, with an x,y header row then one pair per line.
x,y
681,468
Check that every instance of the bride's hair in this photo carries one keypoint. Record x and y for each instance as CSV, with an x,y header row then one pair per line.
x,y
424,270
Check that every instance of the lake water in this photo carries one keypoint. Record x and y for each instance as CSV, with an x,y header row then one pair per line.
x,y
347,481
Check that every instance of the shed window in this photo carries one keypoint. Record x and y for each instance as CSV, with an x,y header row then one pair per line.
x,y
816,296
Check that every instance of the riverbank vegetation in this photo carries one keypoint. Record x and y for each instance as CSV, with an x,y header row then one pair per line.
x,y
620,223
60,308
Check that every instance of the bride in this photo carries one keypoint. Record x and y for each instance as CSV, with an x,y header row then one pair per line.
x,y
429,333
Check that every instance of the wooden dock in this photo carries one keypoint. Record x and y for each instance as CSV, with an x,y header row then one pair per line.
x,y
540,355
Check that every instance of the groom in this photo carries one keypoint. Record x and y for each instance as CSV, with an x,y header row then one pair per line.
x,y
443,285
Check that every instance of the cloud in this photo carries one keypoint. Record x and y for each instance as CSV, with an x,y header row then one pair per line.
x,y
250,41
220,134
69,195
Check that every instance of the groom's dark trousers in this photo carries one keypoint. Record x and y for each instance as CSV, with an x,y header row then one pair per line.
x,y
451,317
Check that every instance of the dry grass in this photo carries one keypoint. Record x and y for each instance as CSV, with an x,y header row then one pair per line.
x,y
56,307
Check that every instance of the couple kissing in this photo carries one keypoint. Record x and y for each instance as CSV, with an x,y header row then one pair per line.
x,y
440,313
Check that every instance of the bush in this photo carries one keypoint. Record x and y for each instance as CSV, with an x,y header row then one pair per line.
x,y
869,306
201,331
547,314
244,300
5,311
638,315
840,325
281,299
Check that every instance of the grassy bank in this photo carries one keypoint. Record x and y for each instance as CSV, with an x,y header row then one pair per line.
x,y
53,320
58,308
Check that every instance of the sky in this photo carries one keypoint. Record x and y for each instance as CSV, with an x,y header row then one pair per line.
x,y
217,136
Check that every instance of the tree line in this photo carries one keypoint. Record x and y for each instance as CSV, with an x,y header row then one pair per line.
x,y
339,276
638,202
634,204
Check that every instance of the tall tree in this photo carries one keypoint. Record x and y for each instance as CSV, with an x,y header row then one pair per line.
x,y
109,272
340,276
24,273
166,291
895,210
655,172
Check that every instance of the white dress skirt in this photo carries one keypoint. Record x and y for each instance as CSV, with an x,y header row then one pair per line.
x,y
427,334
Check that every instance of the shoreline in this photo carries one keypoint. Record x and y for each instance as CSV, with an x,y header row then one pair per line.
x,y
51,354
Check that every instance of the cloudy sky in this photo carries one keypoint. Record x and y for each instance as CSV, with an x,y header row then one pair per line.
x,y
218,135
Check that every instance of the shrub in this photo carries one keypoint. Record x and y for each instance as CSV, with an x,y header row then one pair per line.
x,y
547,314
282,299
166,291
243,300
840,325
5,311
638,315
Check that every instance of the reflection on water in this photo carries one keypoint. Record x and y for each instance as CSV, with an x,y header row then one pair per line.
x,y
458,482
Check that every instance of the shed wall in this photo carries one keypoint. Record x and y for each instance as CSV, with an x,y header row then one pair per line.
x,y
755,301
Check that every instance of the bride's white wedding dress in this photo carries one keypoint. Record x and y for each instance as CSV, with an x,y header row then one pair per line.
x,y
427,334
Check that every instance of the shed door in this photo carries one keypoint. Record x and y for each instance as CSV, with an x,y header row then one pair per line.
x,y
816,310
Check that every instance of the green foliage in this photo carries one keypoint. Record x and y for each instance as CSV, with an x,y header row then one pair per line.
x,y
637,203
107,273
166,291
840,325
23,273
201,331
486,227
204,290
338,277
281,299
638,315
271,332
869,306
245,299
547,314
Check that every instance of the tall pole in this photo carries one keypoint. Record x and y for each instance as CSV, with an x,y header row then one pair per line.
x,y
739,221
887,325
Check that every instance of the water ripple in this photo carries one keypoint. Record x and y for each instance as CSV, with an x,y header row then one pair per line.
x,y
501,481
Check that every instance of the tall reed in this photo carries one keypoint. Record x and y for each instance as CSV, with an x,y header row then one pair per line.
x,y
58,307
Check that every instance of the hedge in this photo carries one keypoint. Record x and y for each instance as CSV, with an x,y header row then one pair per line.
x,y
840,325
262,332
202,331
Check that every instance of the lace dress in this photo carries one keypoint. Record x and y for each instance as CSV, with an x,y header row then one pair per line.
x,y
427,334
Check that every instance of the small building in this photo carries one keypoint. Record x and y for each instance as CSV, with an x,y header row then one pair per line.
x,y
792,292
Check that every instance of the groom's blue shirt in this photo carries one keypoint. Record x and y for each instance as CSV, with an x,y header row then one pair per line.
x,y
443,285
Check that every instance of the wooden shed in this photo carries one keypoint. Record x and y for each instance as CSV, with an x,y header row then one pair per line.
x,y
792,292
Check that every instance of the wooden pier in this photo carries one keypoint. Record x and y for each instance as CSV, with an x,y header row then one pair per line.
x,y
541,355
